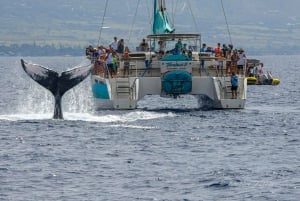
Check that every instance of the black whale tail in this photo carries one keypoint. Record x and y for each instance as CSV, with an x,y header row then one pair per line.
x,y
57,84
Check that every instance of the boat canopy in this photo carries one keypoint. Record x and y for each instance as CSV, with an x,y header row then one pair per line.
x,y
193,41
165,37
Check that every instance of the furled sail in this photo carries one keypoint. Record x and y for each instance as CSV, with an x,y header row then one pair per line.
x,y
161,23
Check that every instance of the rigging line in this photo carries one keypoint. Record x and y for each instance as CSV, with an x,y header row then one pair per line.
x,y
226,23
101,25
133,21
172,12
150,17
193,16
174,8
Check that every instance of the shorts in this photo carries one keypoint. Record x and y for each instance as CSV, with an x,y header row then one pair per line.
x,y
240,66
234,88
110,67
126,64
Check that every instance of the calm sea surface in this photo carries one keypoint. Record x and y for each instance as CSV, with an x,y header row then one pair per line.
x,y
170,155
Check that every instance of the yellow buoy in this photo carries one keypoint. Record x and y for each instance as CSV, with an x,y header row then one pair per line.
x,y
251,80
275,81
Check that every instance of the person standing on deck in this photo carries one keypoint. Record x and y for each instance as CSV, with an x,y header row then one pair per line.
x,y
114,44
234,85
219,57
234,59
120,48
241,61
176,51
179,44
110,63
115,63
144,45
203,50
161,50
126,61
228,59
101,53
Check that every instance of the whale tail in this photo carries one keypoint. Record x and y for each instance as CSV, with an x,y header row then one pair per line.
x,y
57,84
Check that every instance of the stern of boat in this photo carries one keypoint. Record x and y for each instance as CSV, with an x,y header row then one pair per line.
x,y
115,93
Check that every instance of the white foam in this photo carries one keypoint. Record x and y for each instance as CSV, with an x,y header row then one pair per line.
x,y
113,116
18,117
116,116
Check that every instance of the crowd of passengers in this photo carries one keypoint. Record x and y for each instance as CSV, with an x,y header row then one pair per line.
x,y
106,59
117,51
235,59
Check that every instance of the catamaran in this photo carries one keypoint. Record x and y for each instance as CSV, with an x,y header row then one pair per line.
x,y
171,65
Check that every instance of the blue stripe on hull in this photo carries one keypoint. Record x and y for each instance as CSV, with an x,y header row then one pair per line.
x,y
100,91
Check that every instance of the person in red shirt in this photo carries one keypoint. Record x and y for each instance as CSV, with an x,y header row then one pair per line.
x,y
219,57
218,50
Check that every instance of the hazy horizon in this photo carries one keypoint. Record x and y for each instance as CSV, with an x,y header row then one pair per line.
x,y
270,24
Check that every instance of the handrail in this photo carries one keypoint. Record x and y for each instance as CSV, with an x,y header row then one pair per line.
x,y
137,77
133,87
221,87
106,71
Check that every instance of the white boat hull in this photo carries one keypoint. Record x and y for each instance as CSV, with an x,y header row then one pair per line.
x,y
216,91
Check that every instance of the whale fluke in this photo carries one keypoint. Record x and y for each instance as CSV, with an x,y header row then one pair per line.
x,y
57,84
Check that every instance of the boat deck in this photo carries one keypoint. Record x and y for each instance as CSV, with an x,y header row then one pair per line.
x,y
138,68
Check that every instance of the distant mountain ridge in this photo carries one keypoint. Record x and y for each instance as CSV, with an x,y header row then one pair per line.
x,y
258,26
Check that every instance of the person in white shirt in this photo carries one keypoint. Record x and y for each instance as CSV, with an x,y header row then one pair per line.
x,y
110,62
241,61
114,44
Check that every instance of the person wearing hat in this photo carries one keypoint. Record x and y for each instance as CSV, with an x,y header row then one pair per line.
x,y
241,62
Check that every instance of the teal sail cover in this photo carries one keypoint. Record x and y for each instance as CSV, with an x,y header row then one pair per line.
x,y
161,23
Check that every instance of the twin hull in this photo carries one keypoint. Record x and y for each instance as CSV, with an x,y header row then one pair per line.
x,y
124,93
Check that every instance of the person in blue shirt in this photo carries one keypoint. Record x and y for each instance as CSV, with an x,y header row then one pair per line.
x,y
176,51
203,48
234,85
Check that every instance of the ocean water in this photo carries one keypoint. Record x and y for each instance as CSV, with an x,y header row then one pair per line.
x,y
155,155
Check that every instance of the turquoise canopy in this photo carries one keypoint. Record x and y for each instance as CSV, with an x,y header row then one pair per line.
x,y
161,23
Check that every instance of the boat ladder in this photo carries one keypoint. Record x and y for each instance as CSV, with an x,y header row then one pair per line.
x,y
123,96
227,90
